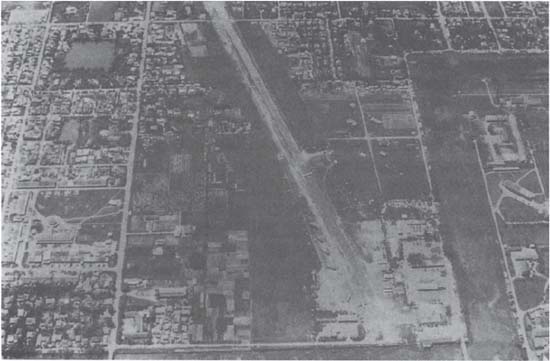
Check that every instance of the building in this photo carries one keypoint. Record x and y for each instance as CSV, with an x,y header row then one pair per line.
x,y
504,141
524,260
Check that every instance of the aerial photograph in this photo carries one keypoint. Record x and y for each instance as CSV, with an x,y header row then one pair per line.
x,y
308,180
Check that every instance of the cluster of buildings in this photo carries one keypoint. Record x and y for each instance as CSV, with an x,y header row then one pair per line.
x,y
457,9
51,242
58,250
536,322
297,10
57,312
521,33
424,9
204,297
260,10
25,13
501,135
519,8
412,278
524,196
58,291
525,260
420,35
13,235
325,40
168,321
181,10
421,275
63,147
209,306
306,44
79,12
507,26
10,137
128,11
471,34
526,264
21,47
70,12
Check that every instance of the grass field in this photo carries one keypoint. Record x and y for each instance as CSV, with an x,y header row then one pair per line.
x,y
495,178
388,114
524,235
401,169
97,232
351,182
534,129
494,9
335,118
74,204
530,291
515,211
467,225
531,182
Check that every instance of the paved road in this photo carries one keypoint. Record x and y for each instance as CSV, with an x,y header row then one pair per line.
x,y
125,211
261,346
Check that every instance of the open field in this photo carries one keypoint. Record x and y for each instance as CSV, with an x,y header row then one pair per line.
x,y
97,232
335,117
388,114
467,226
530,291
75,203
495,178
351,182
167,265
523,235
531,182
401,169
493,8
515,211
534,128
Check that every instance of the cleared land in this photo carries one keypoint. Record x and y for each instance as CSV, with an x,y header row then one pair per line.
x,y
350,181
335,117
75,204
524,235
91,55
530,291
401,169
388,114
